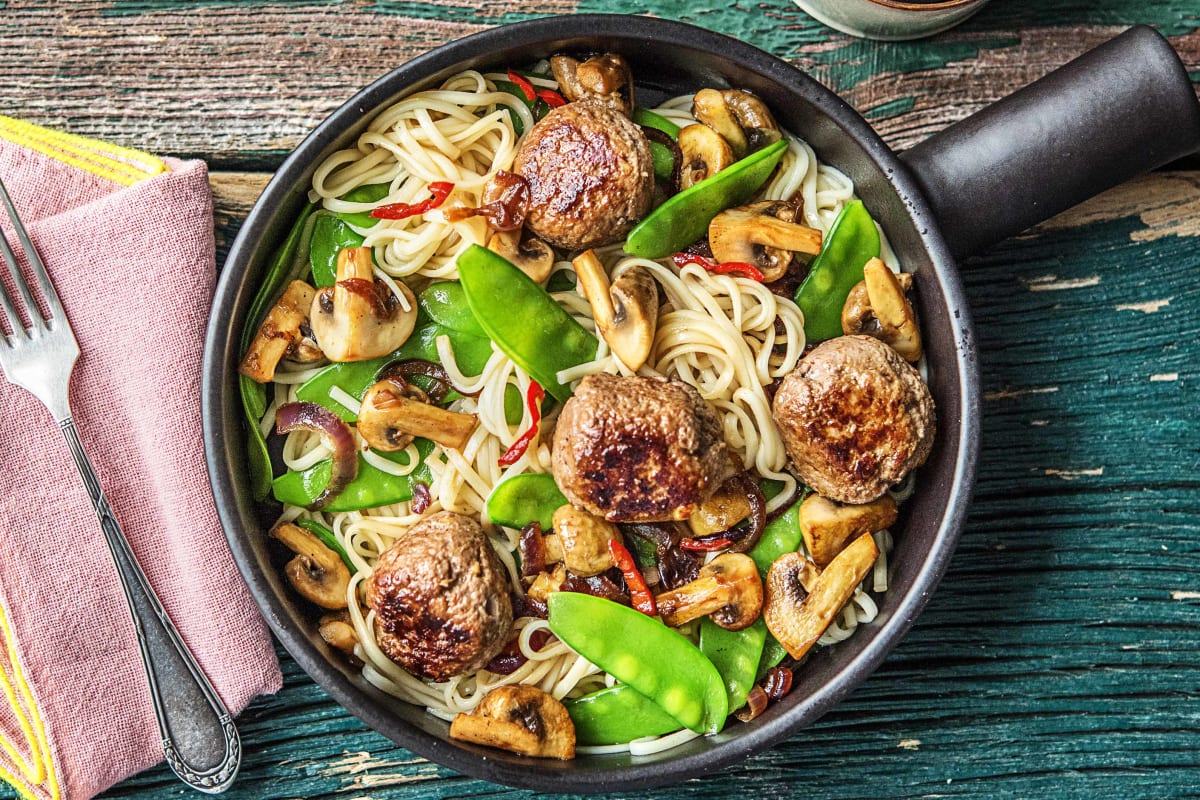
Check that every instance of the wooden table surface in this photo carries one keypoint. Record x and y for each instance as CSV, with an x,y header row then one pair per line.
x,y
1060,656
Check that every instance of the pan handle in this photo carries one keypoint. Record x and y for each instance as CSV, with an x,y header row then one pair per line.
x,y
1117,111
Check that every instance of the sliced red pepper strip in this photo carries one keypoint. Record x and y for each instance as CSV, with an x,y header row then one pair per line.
x,y
533,399
523,84
639,592
551,98
705,545
748,270
439,190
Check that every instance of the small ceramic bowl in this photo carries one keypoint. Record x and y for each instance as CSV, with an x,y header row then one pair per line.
x,y
891,20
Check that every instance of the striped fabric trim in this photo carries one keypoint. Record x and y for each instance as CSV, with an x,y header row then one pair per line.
x,y
109,161
34,776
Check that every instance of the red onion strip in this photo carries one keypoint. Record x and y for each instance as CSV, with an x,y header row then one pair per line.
x,y
312,417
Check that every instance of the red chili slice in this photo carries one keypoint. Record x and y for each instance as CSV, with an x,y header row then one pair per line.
x,y
748,270
523,84
439,190
639,592
700,545
551,98
533,399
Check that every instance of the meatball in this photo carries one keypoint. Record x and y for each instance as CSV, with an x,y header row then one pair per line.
x,y
590,174
441,598
638,449
855,418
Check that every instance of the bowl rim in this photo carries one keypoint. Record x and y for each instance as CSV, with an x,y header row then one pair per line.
x,y
218,397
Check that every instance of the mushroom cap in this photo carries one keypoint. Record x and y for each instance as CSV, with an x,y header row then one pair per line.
x,y
855,418
634,449
316,572
441,598
590,174
359,318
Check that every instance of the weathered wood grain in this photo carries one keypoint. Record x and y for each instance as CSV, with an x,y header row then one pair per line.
x,y
1061,655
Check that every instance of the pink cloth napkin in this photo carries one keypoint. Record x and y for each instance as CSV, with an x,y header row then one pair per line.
x,y
134,266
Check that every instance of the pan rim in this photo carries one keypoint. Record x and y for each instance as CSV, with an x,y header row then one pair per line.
x,y
220,426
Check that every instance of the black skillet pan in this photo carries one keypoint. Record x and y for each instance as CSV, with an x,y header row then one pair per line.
x,y
1125,108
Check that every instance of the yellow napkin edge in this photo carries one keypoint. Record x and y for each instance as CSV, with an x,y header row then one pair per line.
x,y
39,771
112,162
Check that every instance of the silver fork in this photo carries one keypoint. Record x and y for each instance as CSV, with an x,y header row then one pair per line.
x,y
200,741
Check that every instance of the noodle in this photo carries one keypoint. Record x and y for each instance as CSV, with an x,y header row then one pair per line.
x,y
728,336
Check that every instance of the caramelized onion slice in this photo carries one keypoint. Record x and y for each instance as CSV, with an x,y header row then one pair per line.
x,y
337,434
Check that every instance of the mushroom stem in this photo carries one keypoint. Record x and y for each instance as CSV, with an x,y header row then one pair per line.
x,y
728,588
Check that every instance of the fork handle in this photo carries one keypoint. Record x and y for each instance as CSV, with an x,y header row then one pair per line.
x,y
200,741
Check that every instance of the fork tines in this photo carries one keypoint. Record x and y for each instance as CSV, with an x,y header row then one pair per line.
x,y
12,317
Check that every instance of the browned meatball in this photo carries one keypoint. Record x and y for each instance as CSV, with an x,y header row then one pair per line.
x,y
441,598
638,449
590,175
855,418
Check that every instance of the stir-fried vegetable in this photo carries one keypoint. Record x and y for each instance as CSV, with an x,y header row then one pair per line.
x,y
617,714
521,499
645,654
371,487
684,218
852,242
529,326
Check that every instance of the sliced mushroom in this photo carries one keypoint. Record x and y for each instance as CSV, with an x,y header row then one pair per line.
x,y
529,253
337,632
546,583
305,351
582,539
317,573
897,322
857,315
521,719
626,312
728,589
359,317
827,526
390,416
802,599
279,334
704,153
606,77
744,232
762,234
710,108
722,511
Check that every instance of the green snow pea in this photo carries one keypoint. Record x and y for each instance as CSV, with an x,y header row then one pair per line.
x,y
617,715
355,377
773,653
645,654
684,218
647,118
331,235
852,242
254,394
523,320
328,539
521,499
663,158
370,488
446,304
736,655
371,193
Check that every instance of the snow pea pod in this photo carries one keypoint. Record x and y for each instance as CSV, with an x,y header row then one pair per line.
x,y
371,193
736,655
254,394
643,116
523,320
331,234
617,715
645,654
446,304
521,499
684,218
781,536
852,242
371,487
